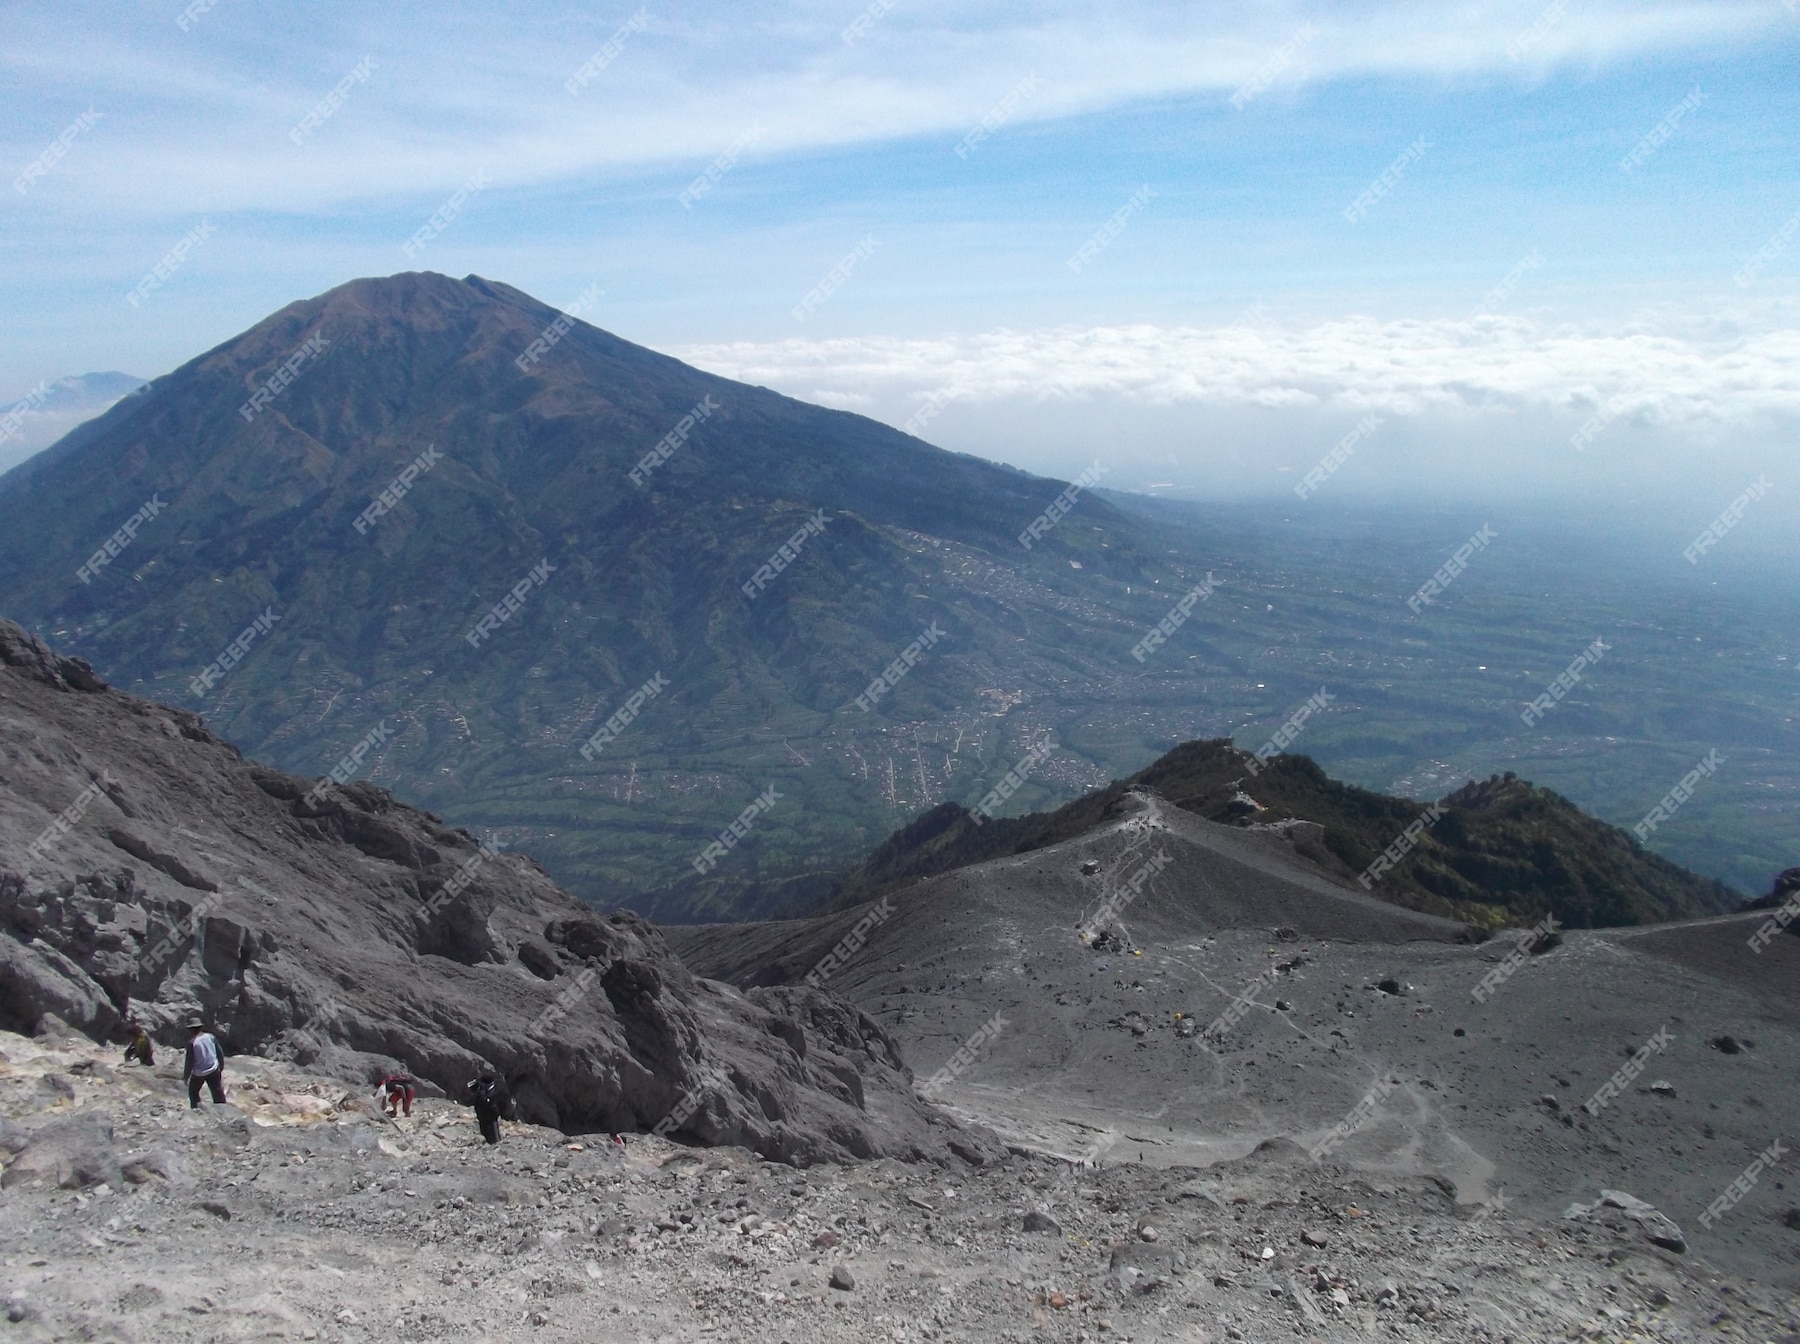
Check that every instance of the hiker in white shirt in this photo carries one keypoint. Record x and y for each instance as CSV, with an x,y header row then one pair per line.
x,y
205,1064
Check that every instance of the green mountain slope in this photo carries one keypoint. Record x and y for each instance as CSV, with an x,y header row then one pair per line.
x,y
256,510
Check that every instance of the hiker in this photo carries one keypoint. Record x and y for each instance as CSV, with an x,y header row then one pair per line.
x,y
205,1063
394,1092
140,1048
488,1097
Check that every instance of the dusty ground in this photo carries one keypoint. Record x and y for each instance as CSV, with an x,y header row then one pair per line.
x,y
297,1214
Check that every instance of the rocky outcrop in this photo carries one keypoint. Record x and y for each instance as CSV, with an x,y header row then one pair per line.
x,y
1658,1227
147,868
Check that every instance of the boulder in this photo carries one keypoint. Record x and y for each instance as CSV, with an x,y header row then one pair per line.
x,y
38,981
69,1154
139,1168
1657,1226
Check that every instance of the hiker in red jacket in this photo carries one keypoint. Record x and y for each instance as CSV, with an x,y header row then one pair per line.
x,y
394,1092
205,1063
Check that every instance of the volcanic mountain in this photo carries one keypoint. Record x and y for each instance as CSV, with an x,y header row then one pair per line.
x,y
473,530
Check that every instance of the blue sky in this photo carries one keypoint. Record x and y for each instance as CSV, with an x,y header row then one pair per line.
x,y
1222,341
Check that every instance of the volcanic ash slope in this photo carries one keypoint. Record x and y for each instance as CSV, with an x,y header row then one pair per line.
x,y
1254,998
297,1213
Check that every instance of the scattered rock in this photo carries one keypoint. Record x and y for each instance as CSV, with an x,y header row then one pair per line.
x,y
1133,1261
1313,1237
1657,1226
139,1296
826,1239
1389,986
216,1209
1035,1221
842,1279
1726,1045
1663,1087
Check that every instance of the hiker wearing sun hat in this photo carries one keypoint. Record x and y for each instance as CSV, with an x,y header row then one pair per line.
x,y
205,1063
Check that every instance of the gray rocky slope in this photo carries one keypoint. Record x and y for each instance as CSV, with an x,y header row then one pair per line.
x,y
296,1213
351,934
1243,996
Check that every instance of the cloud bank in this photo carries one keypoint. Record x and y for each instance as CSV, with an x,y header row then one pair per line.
x,y
1485,403
1355,364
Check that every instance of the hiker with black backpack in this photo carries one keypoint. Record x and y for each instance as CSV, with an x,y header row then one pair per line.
x,y
488,1096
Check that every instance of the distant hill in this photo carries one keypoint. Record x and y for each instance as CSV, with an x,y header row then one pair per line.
x,y
1504,852
51,409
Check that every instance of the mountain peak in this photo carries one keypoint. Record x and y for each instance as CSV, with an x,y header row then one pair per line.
x,y
477,436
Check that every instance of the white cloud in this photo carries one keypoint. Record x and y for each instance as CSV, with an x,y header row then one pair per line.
x,y
1489,365
200,120
1471,409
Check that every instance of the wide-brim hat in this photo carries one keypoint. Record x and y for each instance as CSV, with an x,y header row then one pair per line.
x,y
196,1024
